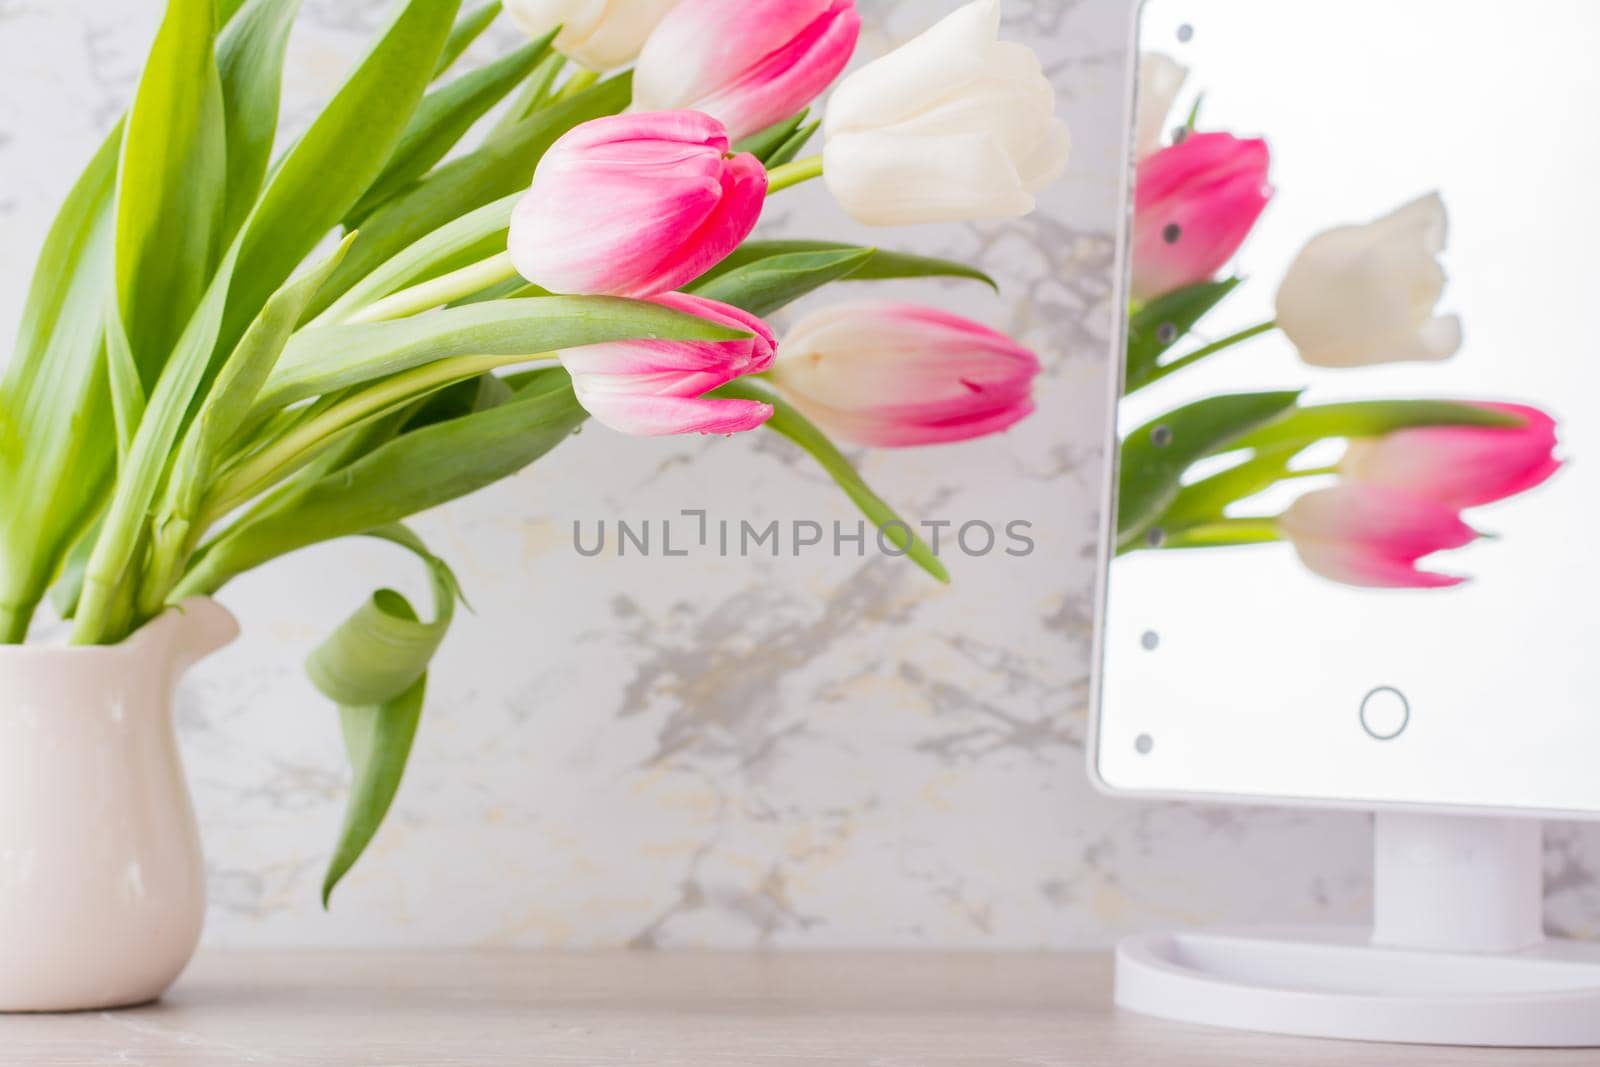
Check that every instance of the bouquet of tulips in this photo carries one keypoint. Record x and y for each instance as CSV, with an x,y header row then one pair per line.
x,y
1355,296
232,351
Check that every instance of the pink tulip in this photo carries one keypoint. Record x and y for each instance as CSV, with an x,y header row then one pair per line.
x,y
654,388
1460,466
635,205
895,375
1373,537
749,63
1194,205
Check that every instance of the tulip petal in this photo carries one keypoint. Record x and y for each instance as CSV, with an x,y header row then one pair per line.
x,y
750,63
1460,466
889,178
892,374
1195,204
1373,537
1362,295
634,205
659,416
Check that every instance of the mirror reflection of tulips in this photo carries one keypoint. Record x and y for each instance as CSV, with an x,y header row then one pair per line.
x,y
1355,296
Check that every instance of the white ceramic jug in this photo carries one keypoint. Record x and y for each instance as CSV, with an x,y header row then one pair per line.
x,y
102,883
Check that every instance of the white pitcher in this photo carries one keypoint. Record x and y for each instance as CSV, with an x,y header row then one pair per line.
x,y
102,883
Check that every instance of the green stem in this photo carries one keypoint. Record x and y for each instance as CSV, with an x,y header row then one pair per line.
x,y
791,174
301,443
438,291
1210,350
580,80
14,622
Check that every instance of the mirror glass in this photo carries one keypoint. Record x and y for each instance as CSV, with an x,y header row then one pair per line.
x,y
1360,424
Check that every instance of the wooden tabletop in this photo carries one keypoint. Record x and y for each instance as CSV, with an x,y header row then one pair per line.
x,y
419,1009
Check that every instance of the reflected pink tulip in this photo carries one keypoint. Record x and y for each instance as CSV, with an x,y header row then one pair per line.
x,y
749,63
1460,466
635,205
655,388
895,375
1370,536
1194,205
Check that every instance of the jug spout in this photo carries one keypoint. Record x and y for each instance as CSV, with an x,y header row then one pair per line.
x,y
202,626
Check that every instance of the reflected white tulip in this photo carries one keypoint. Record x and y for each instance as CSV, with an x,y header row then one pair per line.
x,y
1360,295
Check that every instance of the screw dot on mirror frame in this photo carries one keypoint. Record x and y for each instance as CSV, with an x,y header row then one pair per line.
x,y
1143,744
1150,640
1156,537
1185,33
1166,333
1172,233
1161,436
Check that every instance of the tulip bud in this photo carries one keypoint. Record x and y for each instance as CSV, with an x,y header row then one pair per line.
x,y
955,125
1194,205
1360,295
1372,537
654,388
749,63
600,34
1460,466
1161,78
894,375
634,205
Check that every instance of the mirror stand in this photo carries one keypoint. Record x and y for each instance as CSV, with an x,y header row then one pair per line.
x,y
1456,954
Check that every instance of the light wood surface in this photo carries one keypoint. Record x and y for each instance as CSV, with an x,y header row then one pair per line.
x,y
421,1009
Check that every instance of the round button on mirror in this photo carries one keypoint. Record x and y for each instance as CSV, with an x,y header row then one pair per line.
x,y
1385,713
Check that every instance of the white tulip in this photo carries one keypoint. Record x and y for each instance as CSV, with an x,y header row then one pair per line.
x,y
600,34
1161,79
1360,295
952,126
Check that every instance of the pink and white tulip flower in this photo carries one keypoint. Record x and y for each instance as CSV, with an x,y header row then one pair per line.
x,y
600,34
655,388
896,375
1195,203
1460,466
635,205
749,63
1371,536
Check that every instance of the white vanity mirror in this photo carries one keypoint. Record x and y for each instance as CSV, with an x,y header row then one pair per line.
x,y
1350,558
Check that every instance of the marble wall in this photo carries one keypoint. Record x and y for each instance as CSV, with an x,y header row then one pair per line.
x,y
720,751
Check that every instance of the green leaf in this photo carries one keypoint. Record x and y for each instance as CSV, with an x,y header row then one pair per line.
x,y
321,360
1370,418
326,172
218,418
1155,457
250,61
457,243
790,150
444,117
422,469
53,469
763,144
1160,324
1206,501
138,480
880,266
469,27
787,421
503,165
127,391
374,666
170,185
768,285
